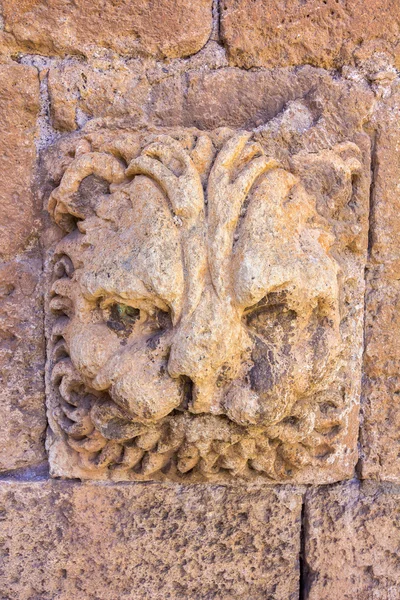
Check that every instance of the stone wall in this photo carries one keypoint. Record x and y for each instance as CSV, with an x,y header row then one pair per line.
x,y
316,84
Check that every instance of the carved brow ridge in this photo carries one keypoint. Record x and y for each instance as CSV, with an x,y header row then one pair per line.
x,y
139,295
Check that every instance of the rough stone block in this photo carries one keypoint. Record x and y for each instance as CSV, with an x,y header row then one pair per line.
x,y
19,106
100,542
325,34
22,403
381,391
163,28
22,411
352,542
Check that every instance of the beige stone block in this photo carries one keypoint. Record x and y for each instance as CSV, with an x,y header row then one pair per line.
x,y
381,385
61,540
352,542
163,28
326,34
381,391
22,402
19,106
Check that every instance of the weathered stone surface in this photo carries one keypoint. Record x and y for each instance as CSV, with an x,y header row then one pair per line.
x,y
136,94
236,98
163,28
297,114
19,106
326,34
8,46
132,91
101,89
381,403
100,542
352,542
22,403
131,94
213,391
22,411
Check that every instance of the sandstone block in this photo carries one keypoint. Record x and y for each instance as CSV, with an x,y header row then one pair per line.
x,y
381,393
352,542
100,542
19,106
151,375
163,28
326,34
22,405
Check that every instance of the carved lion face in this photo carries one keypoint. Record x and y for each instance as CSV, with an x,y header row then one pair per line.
x,y
198,280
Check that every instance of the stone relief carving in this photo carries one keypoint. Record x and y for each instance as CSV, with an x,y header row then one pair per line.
x,y
200,327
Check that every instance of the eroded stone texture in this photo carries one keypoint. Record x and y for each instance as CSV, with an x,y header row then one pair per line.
x,y
163,28
235,98
205,319
101,542
136,93
104,88
326,34
352,542
22,403
19,106
381,444
22,410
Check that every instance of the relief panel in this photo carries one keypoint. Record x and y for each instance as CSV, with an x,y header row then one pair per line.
x,y
204,314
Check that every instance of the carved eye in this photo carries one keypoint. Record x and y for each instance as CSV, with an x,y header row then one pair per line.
x,y
271,317
122,318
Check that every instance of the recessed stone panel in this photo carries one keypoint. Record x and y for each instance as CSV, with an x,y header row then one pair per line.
x,y
205,302
22,401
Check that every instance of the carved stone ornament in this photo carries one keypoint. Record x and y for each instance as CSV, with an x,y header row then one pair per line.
x,y
205,312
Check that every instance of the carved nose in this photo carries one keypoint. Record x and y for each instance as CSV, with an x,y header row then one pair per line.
x,y
194,363
206,349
